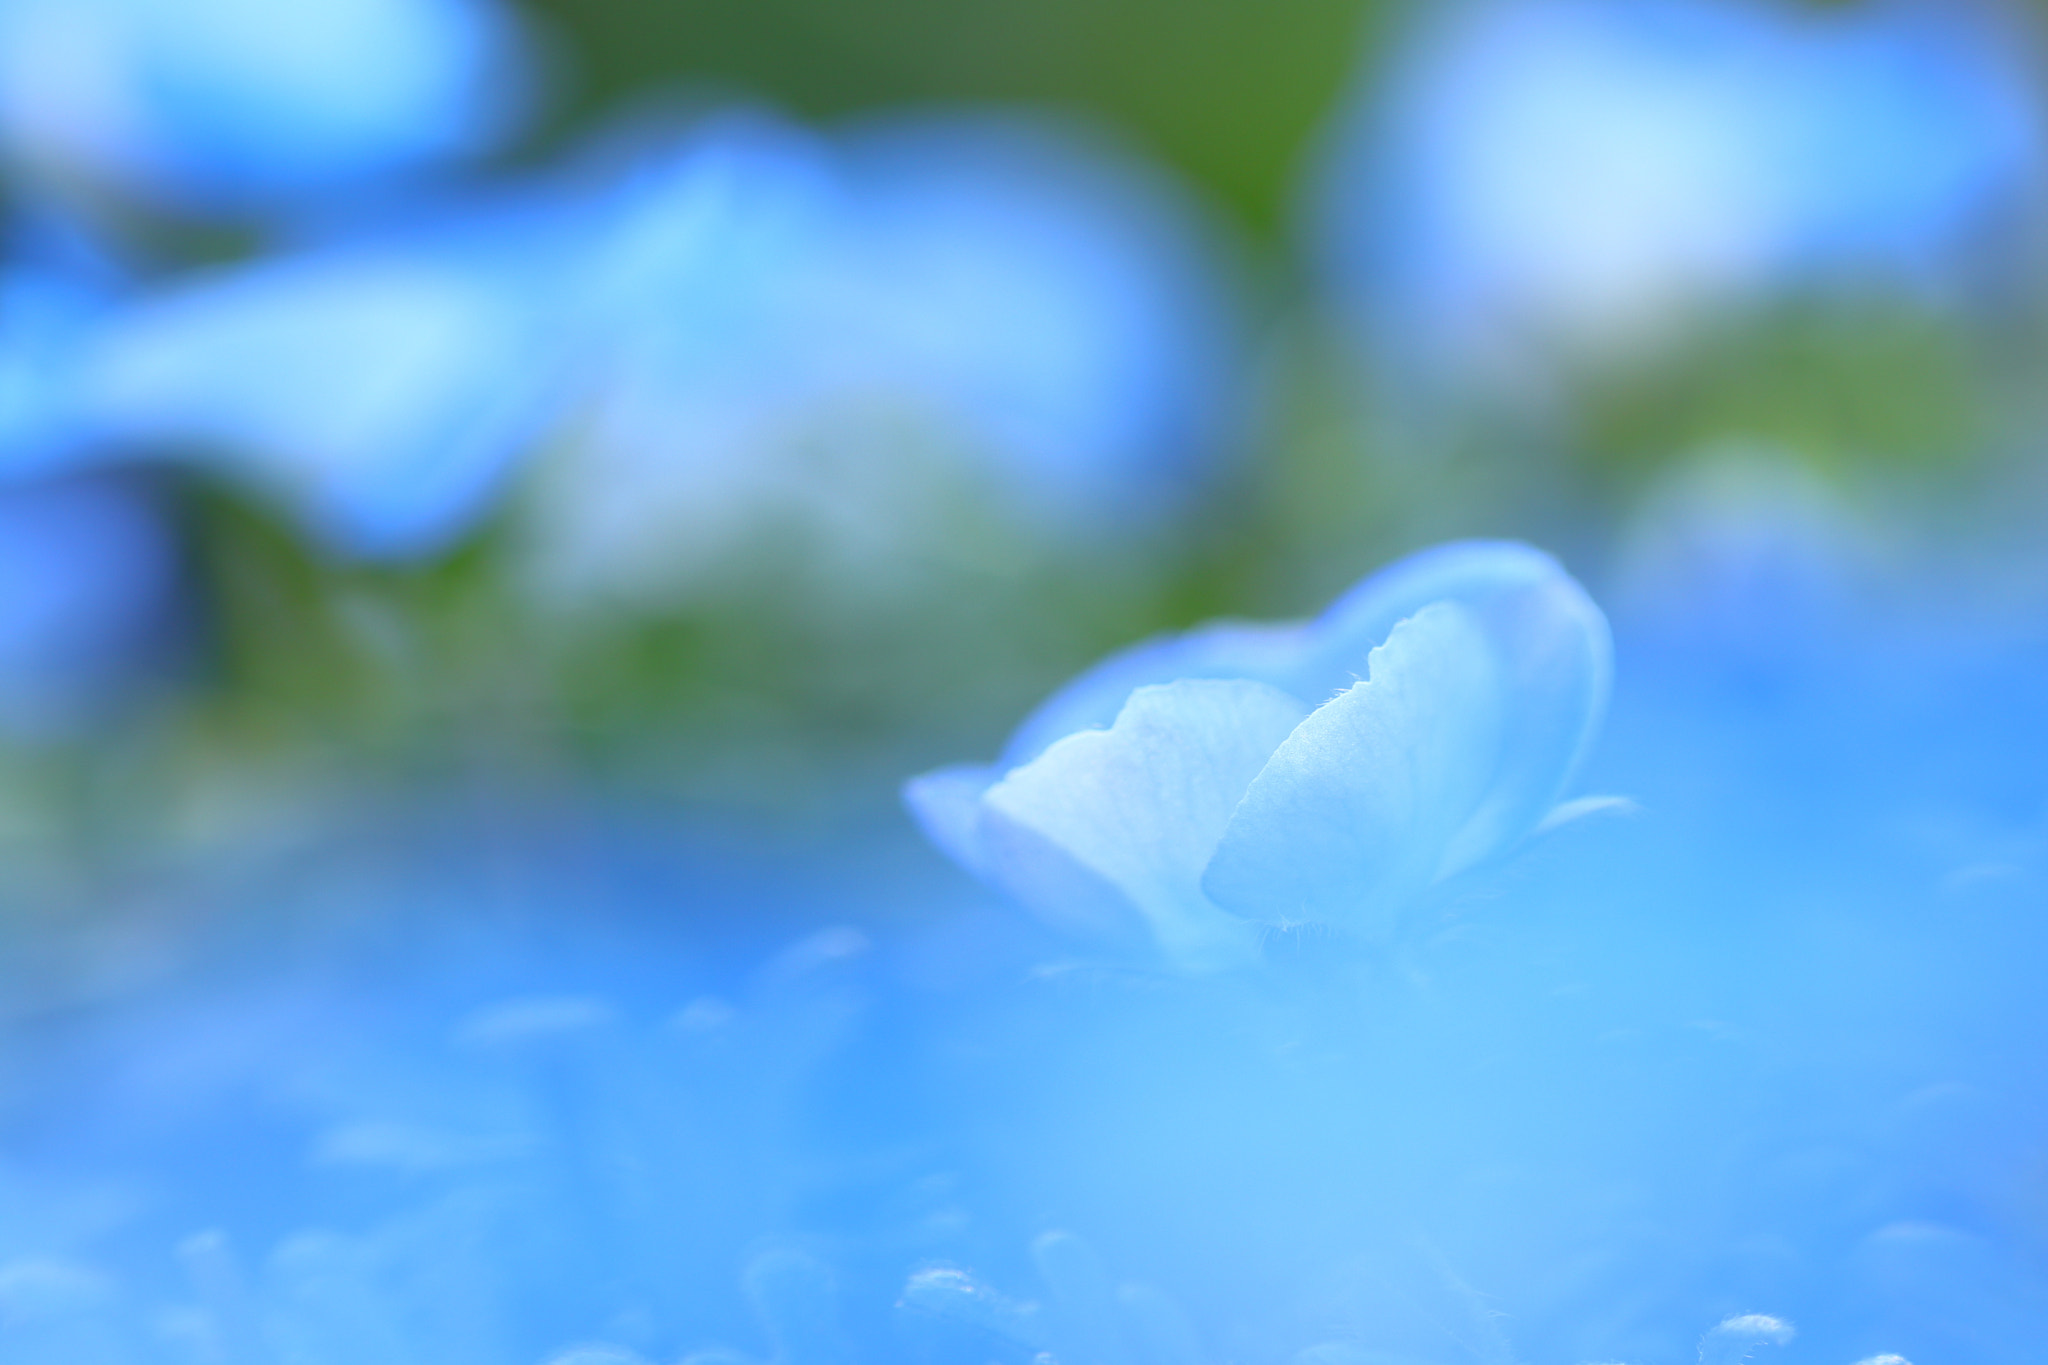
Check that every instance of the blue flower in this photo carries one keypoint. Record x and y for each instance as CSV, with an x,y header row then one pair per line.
x,y
205,104
90,591
55,285
44,318
757,328
1587,170
90,598
855,335
380,390
1249,774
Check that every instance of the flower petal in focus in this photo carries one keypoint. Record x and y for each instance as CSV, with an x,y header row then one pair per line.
x,y
1364,804
1142,804
1230,786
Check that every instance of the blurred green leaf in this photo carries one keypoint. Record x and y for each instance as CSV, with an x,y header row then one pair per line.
x,y
1228,92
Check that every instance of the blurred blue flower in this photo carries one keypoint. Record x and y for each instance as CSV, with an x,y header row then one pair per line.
x,y
209,104
44,319
89,598
379,389
89,574
1587,170
853,335
56,282
757,328
1232,786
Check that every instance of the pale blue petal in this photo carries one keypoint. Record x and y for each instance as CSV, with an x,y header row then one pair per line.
x,y
1474,573
1534,174
1557,662
1062,295
382,393
89,598
1552,645
1270,653
1143,803
995,287
946,803
45,318
1045,877
213,104
1354,812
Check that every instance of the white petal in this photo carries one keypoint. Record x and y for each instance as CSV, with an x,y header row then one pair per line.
x,y
1554,651
1142,804
946,803
1222,649
1043,876
1557,660
1357,810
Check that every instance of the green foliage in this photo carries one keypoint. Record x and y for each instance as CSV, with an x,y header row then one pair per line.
x,y
1228,92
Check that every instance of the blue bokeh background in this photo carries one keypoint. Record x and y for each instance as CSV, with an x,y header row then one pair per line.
x,y
496,500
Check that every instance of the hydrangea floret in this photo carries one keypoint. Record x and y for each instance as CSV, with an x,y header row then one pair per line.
x,y
1185,792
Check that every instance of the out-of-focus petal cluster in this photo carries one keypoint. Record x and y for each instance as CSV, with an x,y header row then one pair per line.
x,y
754,326
381,390
91,588
1587,172
956,337
91,579
1326,773
206,105
853,339
44,317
